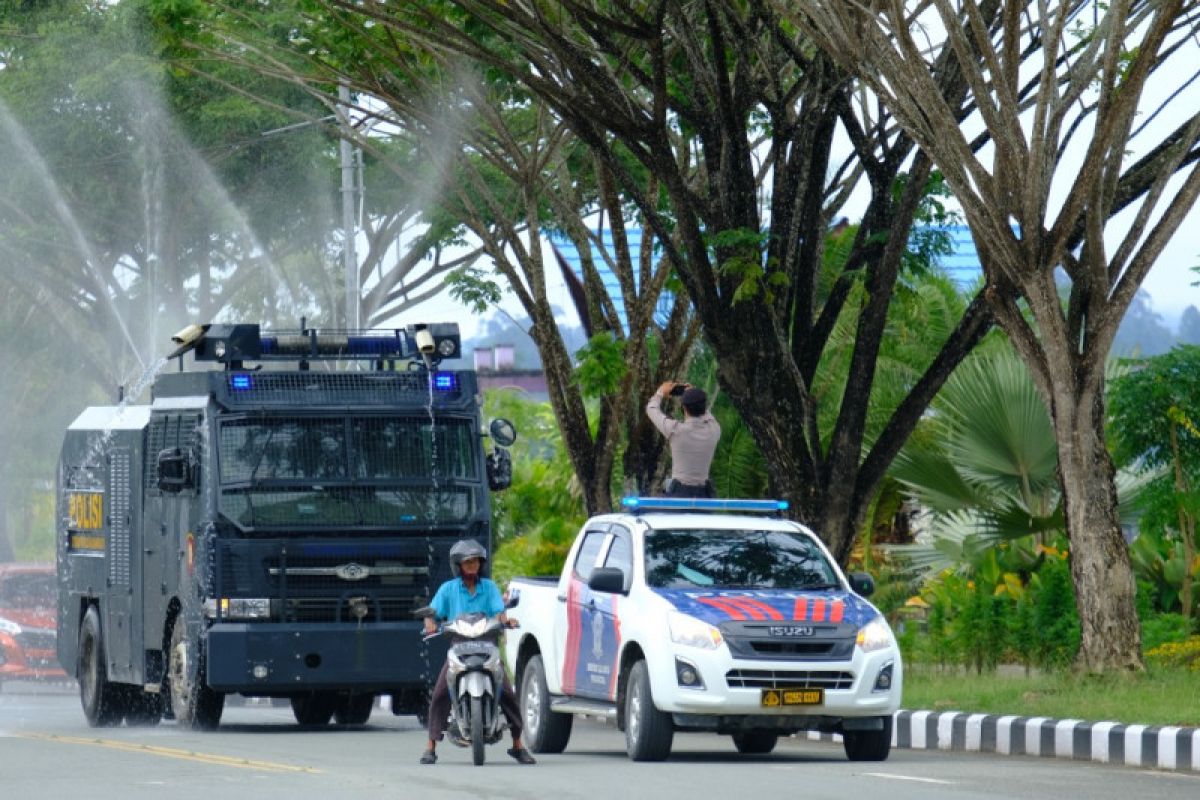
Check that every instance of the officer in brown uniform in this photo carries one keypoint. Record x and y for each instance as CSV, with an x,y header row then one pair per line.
x,y
693,439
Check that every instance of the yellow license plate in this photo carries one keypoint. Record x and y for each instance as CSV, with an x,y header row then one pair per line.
x,y
776,698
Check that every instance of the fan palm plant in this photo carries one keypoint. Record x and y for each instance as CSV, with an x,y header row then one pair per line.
x,y
985,469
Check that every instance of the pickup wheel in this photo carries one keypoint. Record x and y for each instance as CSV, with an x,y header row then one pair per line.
x,y
103,702
648,731
545,731
869,745
755,743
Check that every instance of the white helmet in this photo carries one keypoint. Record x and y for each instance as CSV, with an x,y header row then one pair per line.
x,y
464,549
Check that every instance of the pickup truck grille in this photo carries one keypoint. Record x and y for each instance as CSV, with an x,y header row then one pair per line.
x,y
756,640
780,678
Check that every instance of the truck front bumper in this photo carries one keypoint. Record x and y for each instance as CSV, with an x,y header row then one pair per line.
x,y
281,658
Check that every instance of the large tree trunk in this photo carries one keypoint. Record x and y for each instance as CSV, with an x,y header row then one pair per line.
x,y
1100,564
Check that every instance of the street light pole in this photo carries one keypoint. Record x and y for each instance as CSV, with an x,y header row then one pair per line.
x,y
349,256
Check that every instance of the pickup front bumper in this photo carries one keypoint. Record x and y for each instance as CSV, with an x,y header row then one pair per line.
x,y
867,685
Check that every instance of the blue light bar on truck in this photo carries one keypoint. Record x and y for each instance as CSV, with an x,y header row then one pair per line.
x,y
239,382
639,504
445,381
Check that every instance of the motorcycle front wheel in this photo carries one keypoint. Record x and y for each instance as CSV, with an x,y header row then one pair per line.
x,y
477,740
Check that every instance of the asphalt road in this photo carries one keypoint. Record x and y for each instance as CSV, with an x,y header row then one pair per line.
x,y
47,750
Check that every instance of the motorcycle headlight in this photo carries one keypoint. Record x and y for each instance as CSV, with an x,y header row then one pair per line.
x,y
9,627
875,635
693,632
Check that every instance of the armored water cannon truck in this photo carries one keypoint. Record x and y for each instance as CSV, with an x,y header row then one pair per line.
x,y
266,526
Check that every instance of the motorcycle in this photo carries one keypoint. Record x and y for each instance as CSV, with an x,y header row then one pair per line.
x,y
474,677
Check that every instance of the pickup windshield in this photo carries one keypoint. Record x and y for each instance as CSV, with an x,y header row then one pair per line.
x,y
347,471
736,559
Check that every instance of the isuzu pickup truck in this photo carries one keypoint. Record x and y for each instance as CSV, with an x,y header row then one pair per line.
x,y
703,615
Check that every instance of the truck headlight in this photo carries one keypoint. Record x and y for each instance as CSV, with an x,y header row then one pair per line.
x,y
693,632
239,608
9,627
875,635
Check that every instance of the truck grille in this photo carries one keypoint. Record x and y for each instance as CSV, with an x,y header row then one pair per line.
x,y
328,582
781,678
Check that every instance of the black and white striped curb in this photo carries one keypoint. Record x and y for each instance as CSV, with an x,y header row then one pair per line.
x,y
1154,746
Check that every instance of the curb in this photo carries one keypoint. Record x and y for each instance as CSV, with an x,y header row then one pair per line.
x,y
1165,747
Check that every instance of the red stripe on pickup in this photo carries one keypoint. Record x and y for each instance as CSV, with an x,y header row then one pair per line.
x,y
800,610
751,605
721,604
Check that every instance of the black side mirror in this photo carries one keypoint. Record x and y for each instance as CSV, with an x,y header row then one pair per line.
x,y
862,583
504,433
513,598
607,579
174,470
499,470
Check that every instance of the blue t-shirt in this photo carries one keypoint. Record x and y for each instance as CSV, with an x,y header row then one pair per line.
x,y
453,600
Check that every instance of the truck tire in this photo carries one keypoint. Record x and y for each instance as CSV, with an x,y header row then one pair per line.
x,y
477,740
755,743
544,730
193,703
314,708
648,731
354,709
103,702
869,745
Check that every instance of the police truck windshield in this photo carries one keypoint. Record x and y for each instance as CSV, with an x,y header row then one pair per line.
x,y
371,471
736,559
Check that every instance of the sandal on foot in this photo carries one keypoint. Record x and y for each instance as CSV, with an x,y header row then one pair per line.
x,y
522,755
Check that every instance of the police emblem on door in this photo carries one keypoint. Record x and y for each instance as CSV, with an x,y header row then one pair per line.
x,y
597,635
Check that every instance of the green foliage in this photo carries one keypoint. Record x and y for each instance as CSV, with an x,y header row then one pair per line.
x,y
995,617
473,288
601,365
535,520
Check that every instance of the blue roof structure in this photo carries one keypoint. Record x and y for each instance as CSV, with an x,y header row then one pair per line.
x,y
634,236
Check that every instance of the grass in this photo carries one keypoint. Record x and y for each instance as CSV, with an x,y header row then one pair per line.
x,y
1155,697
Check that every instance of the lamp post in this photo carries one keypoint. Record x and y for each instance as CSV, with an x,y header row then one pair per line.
x,y
349,256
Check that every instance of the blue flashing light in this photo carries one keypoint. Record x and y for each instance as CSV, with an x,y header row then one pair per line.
x,y
240,383
638,504
445,381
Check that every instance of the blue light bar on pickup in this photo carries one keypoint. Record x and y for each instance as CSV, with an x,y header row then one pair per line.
x,y
639,504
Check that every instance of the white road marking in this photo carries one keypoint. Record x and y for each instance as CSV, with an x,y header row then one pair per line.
x,y
894,777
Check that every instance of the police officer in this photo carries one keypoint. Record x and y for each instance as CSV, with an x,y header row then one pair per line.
x,y
468,592
693,439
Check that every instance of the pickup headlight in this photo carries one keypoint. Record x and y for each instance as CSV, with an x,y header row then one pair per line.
x,y
239,608
693,632
9,627
875,635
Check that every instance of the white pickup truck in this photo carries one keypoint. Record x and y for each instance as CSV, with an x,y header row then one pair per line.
x,y
703,615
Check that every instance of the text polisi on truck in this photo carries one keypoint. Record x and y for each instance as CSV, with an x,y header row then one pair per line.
x,y
266,526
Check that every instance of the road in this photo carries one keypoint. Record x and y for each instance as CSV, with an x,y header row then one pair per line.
x,y
47,750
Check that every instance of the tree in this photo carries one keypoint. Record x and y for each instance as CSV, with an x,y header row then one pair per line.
x,y
732,118
504,169
1189,326
1155,414
1042,195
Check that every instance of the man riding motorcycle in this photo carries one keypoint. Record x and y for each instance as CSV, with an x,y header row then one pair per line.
x,y
468,592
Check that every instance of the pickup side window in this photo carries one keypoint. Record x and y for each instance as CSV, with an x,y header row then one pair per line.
x,y
620,553
589,550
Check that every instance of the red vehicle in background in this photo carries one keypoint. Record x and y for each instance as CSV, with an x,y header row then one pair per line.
x,y
28,616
